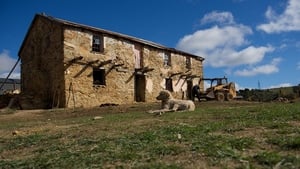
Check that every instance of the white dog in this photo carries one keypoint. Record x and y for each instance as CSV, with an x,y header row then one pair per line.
x,y
169,104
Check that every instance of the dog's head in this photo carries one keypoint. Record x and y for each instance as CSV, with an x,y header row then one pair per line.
x,y
164,95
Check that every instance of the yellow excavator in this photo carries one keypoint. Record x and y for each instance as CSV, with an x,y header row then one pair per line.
x,y
219,90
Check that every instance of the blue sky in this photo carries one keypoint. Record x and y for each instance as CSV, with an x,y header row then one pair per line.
x,y
250,41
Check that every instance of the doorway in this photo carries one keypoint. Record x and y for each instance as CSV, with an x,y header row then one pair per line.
x,y
189,89
139,88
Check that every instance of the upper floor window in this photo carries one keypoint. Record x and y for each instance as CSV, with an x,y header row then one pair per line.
x,y
97,44
167,59
138,52
188,63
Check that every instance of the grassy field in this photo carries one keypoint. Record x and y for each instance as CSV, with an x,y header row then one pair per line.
x,y
216,135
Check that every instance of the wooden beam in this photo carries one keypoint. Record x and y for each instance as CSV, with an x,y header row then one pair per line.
x,y
104,63
75,59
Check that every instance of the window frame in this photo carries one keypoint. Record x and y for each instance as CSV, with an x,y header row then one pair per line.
x,y
167,59
98,47
99,78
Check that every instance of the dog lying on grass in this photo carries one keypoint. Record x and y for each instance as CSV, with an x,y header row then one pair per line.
x,y
169,104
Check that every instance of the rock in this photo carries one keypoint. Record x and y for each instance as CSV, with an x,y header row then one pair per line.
x,y
15,133
97,117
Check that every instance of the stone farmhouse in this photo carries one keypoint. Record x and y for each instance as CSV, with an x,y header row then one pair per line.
x,y
66,64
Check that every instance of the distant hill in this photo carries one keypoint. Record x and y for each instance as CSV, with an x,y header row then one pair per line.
x,y
286,90
289,93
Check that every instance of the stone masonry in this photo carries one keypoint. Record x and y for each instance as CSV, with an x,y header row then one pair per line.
x,y
60,69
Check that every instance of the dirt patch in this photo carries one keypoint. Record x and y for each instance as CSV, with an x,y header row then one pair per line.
x,y
9,114
51,120
294,123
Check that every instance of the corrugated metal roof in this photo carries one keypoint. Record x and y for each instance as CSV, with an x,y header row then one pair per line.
x,y
111,33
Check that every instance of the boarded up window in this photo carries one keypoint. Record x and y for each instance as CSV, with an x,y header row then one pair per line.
x,y
167,59
97,44
99,76
138,56
169,84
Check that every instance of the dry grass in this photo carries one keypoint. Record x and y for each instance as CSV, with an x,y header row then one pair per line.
x,y
216,135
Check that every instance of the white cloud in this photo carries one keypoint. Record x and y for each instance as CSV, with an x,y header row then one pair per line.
x,y
208,40
6,64
282,46
263,69
206,85
298,65
280,85
218,17
270,14
238,87
228,57
219,46
289,20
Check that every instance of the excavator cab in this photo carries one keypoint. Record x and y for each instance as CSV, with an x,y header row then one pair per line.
x,y
219,89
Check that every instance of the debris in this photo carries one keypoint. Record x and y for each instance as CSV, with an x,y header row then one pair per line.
x,y
97,117
179,137
108,104
277,166
245,163
15,133
282,99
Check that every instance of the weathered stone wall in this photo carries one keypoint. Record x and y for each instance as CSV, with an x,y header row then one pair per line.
x,y
42,65
120,86
80,90
178,72
57,67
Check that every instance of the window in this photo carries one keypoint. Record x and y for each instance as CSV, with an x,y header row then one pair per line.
x,y
169,84
188,62
97,44
98,76
167,59
138,52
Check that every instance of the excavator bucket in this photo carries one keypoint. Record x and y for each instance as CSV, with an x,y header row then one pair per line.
x,y
232,89
211,94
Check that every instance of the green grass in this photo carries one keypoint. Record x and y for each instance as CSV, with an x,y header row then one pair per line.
x,y
229,135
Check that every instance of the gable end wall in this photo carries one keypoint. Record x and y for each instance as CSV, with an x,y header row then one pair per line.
x,y
42,65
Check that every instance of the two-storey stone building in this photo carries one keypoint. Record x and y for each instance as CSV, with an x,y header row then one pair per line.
x,y
66,64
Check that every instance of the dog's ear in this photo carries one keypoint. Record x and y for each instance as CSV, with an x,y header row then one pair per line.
x,y
160,96
166,94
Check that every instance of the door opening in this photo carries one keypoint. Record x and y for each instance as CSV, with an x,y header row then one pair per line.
x,y
189,89
139,88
